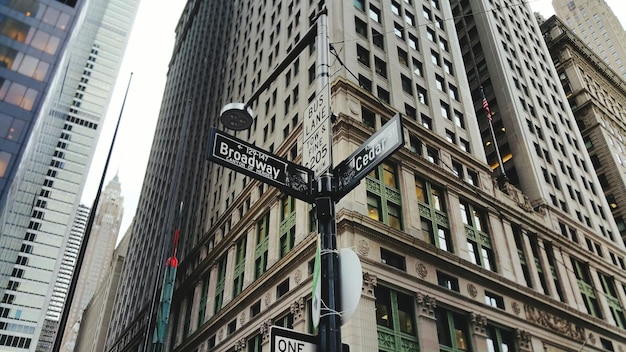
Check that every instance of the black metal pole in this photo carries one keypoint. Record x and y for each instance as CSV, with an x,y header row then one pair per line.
x,y
329,334
83,246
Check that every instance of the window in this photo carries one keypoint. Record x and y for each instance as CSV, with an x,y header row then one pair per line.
x,y
392,259
417,67
413,43
587,290
499,340
360,27
440,83
398,30
359,4
521,253
395,320
403,57
368,117
610,292
452,331
363,55
447,281
262,240
407,85
374,13
240,265
380,66
434,57
287,228
378,39
383,196
395,8
282,288
433,214
203,301
219,286
494,300
478,239
422,95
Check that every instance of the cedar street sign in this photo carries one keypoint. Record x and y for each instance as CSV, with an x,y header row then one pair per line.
x,y
371,153
287,340
243,157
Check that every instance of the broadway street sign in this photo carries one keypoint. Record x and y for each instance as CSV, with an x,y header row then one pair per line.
x,y
371,153
243,157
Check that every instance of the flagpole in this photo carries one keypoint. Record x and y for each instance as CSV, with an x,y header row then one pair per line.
x,y
83,247
493,135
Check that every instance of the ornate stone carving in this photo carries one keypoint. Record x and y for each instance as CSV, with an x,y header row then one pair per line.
x,y
220,334
471,289
265,329
240,345
426,305
369,282
523,339
298,276
520,198
592,339
298,310
479,322
554,323
268,299
421,270
363,248
242,318
516,308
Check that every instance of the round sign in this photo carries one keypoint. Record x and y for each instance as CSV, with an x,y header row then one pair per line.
x,y
351,276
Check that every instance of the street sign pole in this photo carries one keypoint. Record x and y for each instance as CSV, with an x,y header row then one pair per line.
x,y
330,321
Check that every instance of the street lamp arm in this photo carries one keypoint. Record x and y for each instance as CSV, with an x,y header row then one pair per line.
x,y
308,38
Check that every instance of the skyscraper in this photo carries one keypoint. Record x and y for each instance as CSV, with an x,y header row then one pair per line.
x,y
94,319
597,96
467,242
598,27
34,35
64,277
98,254
46,190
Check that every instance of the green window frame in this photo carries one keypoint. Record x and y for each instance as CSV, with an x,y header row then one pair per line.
x,y
262,241
384,202
188,307
610,293
534,245
452,331
433,214
219,286
518,236
287,228
555,273
499,340
395,321
478,240
240,265
255,343
585,286
285,321
203,301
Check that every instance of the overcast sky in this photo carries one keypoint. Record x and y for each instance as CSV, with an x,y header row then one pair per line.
x,y
147,56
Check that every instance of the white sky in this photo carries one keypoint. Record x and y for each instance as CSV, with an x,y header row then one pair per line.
x,y
147,56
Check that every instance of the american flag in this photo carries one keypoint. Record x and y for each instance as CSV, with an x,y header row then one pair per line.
x,y
485,104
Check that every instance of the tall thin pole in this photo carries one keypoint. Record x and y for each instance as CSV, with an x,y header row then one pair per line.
x,y
330,319
83,246
493,135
